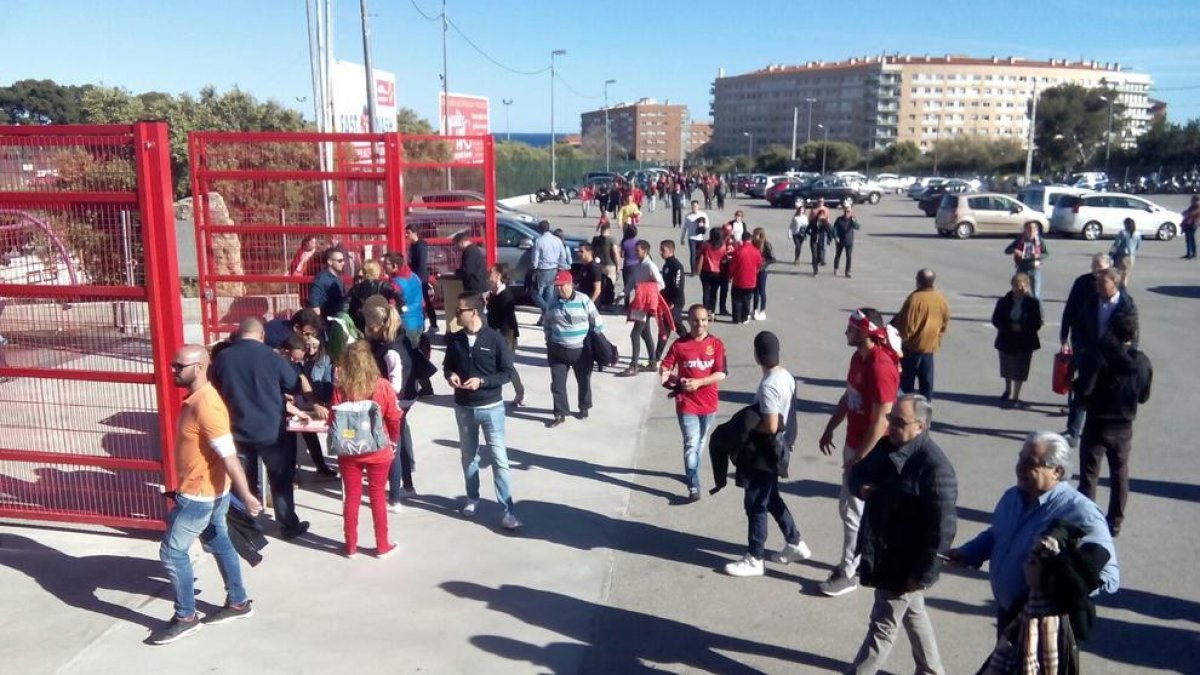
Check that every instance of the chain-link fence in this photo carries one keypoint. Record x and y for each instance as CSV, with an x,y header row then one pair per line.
x,y
524,176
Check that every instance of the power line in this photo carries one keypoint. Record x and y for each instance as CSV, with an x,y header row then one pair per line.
x,y
572,89
485,55
422,12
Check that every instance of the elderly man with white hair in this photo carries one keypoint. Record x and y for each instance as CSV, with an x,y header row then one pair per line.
x,y
1023,515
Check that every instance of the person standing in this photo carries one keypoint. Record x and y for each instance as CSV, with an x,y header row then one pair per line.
x,y
673,285
1017,318
695,231
647,285
477,366
798,230
712,253
589,277
1028,251
871,386
759,311
843,234
606,251
1124,250
393,355
207,467
1188,223
566,328
743,275
502,317
629,260
692,369
418,259
549,256
765,460
909,489
676,205
1114,379
629,214
819,234
472,267
1071,334
720,191
327,294
921,323
253,379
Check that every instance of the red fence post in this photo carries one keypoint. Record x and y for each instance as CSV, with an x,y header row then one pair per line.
x,y
489,198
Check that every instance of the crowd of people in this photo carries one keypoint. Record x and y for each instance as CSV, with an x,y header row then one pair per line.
x,y
357,358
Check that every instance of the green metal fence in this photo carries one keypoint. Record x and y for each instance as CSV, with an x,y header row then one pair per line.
x,y
524,176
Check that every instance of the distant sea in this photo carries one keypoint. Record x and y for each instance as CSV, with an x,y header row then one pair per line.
x,y
536,140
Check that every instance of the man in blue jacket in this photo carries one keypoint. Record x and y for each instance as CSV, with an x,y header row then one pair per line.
x,y
327,294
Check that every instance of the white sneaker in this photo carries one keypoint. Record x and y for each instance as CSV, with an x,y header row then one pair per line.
x,y
510,522
754,316
395,507
748,566
792,553
468,510
762,315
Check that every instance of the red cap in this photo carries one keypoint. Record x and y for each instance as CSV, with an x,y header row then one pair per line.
x,y
563,277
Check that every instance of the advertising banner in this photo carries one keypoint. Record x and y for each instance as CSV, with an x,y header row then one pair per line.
x,y
350,110
464,116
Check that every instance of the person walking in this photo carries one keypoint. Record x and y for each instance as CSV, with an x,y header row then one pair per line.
x,y
692,370
477,366
673,287
361,394
1017,318
765,459
549,256
909,489
418,260
719,191
676,197
711,255
629,260
630,213
871,386
1071,335
647,286
767,252
1029,251
744,267
412,317
1114,379
606,251
798,230
207,468
921,323
502,317
1189,221
571,316
1124,250
819,234
472,267
694,232
843,235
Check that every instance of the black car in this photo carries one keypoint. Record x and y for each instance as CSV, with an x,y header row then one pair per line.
x,y
931,198
830,190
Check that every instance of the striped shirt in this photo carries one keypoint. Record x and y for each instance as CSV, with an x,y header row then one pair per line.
x,y
566,322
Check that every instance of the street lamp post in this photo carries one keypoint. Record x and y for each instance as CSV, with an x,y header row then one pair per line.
x,y
607,143
795,119
824,146
750,149
808,136
553,159
507,131
1108,137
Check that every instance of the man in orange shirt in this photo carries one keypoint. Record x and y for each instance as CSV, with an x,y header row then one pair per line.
x,y
207,466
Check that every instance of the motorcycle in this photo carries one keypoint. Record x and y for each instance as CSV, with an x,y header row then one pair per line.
x,y
544,195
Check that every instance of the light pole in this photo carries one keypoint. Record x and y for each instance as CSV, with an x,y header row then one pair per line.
x,y
507,132
824,146
808,136
795,119
553,159
750,150
607,143
1108,137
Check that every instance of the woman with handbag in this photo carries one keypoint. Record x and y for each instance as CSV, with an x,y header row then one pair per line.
x,y
1017,318
362,395
1028,251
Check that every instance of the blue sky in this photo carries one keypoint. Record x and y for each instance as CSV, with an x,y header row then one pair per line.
x,y
665,50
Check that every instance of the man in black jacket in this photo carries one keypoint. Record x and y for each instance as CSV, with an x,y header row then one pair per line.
x,y
477,366
910,492
1114,378
1083,292
418,261
673,289
472,268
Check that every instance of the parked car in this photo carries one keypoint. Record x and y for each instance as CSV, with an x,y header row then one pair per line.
x,y
773,192
931,198
1093,216
964,215
893,182
762,183
918,186
1089,180
1044,197
828,190
455,200
867,191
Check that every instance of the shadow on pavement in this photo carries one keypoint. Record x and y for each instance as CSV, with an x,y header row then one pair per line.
x,y
1177,291
78,582
616,640
521,460
1187,492
1144,645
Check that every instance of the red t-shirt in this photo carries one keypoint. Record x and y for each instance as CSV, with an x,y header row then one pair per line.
x,y
711,256
743,269
696,358
872,381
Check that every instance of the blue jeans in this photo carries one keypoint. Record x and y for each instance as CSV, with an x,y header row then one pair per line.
x,y
695,432
917,366
760,291
762,497
189,519
401,470
491,419
1035,281
544,295
1189,242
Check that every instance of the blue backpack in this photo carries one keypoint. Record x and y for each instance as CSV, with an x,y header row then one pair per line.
x,y
357,429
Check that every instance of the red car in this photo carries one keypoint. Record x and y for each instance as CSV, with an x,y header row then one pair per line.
x,y
773,192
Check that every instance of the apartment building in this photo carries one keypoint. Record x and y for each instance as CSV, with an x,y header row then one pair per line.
x,y
698,134
876,101
647,130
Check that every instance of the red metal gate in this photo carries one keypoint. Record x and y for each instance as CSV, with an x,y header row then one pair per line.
x,y
267,204
90,316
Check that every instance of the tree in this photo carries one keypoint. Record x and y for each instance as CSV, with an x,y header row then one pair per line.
x,y
897,156
41,102
978,153
1072,123
774,159
838,157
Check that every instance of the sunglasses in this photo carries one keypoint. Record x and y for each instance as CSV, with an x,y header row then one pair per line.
x,y
178,367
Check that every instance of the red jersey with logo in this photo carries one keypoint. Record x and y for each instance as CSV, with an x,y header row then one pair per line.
x,y
873,380
694,359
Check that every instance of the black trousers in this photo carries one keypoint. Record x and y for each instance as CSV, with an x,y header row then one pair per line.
x,y
279,457
639,334
427,300
742,298
676,215
562,360
710,284
798,243
313,443
1114,441
724,293
837,255
818,253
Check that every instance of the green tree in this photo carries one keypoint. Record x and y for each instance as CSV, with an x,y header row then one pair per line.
x,y
896,157
838,157
41,102
978,153
1072,123
773,159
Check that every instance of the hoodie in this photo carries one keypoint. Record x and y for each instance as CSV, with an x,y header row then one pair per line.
x,y
1113,380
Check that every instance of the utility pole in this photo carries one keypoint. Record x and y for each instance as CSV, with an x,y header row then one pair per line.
x,y
445,76
808,136
607,142
507,132
553,158
1029,142
372,110
795,120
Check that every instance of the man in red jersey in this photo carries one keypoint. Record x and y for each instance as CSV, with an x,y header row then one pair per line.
x,y
870,392
699,362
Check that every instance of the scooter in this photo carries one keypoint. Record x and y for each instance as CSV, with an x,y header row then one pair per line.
x,y
544,195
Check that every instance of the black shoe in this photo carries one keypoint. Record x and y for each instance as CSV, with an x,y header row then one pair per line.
x,y
693,495
230,612
177,629
1114,529
326,472
583,414
558,419
290,533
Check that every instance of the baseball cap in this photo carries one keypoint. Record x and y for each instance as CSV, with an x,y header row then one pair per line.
x,y
563,277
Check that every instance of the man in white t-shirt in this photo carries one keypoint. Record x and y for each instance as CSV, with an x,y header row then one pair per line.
x,y
772,440
694,232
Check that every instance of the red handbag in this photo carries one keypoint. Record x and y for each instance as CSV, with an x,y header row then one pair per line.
x,y
1061,380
